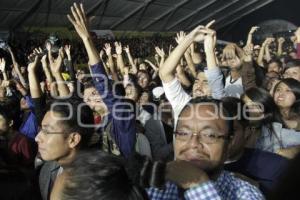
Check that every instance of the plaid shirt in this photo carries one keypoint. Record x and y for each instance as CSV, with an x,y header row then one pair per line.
x,y
225,187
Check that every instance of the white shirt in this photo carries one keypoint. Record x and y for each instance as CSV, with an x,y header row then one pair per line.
x,y
234,89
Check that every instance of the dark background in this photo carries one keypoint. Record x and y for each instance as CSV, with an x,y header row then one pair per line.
x,y
288,10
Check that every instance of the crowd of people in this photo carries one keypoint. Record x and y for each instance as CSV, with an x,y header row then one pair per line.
x,y
191,121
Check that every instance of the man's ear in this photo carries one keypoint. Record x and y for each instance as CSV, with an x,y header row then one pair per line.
x,y
74,139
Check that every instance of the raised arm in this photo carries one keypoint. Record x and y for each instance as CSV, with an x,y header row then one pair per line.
x,y
80,22
120,61
180,73
167,71
2,68
154,67
250,34
280,41
161,54
133,65
55,66
17,67
260,58
111,65
123,126
267,50
34,85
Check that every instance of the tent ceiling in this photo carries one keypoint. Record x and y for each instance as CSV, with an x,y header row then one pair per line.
x,y
141,15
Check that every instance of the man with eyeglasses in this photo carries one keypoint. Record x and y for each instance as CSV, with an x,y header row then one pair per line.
x,y
65,130
202,137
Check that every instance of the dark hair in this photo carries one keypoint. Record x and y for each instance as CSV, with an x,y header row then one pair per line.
x,y
288,184
220,106
235,106
137,87
271,111
293,84
98,175
274,60
10,110
75,113
292,63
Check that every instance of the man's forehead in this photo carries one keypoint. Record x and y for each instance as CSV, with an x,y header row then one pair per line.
x,y
210,110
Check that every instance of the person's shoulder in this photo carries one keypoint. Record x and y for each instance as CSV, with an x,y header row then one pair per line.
x,y
241,187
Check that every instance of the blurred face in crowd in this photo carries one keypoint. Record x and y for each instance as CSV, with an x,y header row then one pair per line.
x,y
144,98
23,104
293,55
201,137
131,92
201,87
93,99
23,70
293,72
270,79
143,79
274,67
283,96
54,141
3,125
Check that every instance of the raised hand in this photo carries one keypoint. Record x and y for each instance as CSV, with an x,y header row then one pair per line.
x,y
67,49
248,52
127,49
281,40
193,175
197,35
32,66
55,64
101,54
118,46
2,64
210,40
253,29
268,41
180,36
107,49
79,21
160,52
44,59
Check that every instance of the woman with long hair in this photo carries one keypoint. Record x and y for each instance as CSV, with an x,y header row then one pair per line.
x,y
270,133
287,97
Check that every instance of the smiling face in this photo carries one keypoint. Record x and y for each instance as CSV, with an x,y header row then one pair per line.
x,y
93,99
283,96
198,119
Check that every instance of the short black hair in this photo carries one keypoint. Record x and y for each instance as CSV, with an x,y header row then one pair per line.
x,y
99,175
220,106
76,116
292,63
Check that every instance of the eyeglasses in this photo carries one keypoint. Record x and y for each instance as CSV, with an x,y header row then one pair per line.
x,y
207,138
44,131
